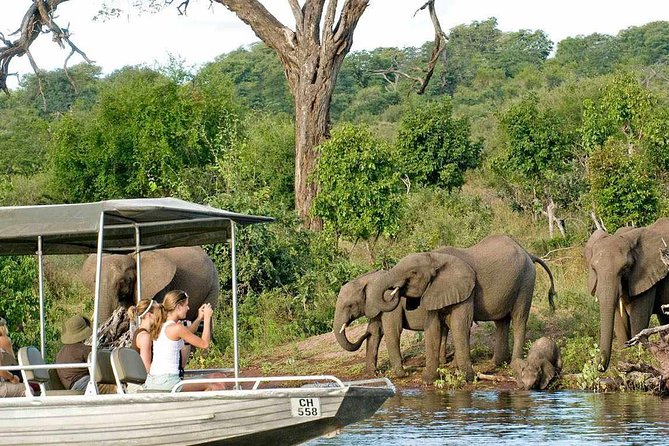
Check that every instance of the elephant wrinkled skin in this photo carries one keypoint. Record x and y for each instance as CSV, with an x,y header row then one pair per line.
x,y
351,306
628,278
543,363
184,268
490,281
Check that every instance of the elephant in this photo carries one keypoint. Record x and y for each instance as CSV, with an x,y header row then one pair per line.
x,y
543,363
626,272
185,268
351,306
490,281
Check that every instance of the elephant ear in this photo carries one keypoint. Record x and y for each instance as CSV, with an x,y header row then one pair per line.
x,y
648,268
587,253
157,272
592,281
452,282
88,272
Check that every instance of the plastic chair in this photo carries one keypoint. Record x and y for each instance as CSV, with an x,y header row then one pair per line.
x,y
128,367
32,356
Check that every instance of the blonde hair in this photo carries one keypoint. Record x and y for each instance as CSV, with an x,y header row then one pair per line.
x,y
153,307
4,331
172,299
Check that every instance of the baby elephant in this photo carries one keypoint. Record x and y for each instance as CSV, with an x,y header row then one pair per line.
x,y
543,363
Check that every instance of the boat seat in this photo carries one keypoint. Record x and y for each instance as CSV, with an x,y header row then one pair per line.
x,y
31,356
104,374
128,367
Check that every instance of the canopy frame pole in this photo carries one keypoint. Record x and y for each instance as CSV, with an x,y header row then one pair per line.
x,y
138,261
40,266
234,299
91,388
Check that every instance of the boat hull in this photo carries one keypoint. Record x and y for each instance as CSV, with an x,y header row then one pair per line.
x,y
239,417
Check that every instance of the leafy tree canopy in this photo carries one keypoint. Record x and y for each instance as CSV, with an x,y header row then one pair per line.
x,y
434,148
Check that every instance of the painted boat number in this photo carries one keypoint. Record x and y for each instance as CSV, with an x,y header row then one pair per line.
x,y
305,407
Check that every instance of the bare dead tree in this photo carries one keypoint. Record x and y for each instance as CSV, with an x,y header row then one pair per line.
x,y
440,40
38,19
393,73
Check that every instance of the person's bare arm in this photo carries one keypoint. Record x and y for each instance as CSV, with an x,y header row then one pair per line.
x,y
145,344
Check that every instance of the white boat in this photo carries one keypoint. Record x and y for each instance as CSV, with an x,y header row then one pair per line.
x,y
258,411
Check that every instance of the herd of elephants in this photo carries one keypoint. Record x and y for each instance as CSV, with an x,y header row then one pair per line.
x,y
443,291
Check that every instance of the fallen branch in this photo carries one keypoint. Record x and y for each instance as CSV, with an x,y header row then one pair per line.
x,y
494,378
643,335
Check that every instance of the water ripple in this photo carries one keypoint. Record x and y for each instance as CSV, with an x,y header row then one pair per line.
x,y
425,418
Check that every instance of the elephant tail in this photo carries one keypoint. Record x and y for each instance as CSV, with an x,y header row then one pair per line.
x,y
551,291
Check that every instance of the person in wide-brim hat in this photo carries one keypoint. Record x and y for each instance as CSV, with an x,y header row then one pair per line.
x,y
76,329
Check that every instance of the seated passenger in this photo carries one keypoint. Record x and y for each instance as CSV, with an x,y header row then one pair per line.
x,y
164,371
75,331
150,316
7,356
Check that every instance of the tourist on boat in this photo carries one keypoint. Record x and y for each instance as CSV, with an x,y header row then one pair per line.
x,y
150,316
10,386
75,331
7,356
164,371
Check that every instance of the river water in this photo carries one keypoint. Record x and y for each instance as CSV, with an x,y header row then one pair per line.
x,y
426,418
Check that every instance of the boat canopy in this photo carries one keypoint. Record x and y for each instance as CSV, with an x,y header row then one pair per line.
x,y
74,228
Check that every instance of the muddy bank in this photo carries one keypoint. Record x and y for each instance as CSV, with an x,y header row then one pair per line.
x,y
322,355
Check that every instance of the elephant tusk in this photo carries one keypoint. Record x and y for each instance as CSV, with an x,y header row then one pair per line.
x,y
622,314
596,298
343,327
394,292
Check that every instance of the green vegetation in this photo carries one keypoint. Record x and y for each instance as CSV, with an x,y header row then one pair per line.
x,y
502,132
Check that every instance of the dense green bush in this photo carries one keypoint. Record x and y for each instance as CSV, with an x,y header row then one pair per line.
x,y
19,301
359,186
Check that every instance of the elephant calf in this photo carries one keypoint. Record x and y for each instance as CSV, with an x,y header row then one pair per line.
x,y
543,363
351,306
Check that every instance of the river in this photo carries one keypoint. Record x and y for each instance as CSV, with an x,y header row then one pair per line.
x,y
426,418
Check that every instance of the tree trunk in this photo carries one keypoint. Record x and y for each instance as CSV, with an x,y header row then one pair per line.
x,y
312,127
311,55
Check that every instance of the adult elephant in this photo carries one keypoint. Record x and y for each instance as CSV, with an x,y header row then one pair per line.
x,y
185,268
490,281
350,306
629,279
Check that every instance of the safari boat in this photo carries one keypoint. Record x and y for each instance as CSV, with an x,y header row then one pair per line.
x,y
256,410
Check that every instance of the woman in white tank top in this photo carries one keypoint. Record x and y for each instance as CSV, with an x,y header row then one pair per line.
x,y
164,372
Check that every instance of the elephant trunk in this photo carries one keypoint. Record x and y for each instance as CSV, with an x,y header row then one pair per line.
x,y
375,295
608,305
340,324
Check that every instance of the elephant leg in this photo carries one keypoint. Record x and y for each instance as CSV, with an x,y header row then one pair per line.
x,y
432,345
640,310
443,352
459,321
501,353
519,316
392,330
372,346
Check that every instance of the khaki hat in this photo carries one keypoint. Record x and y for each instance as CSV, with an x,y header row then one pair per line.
x,y
76,329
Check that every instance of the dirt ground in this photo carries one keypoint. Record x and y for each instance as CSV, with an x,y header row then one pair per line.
x,y
322,355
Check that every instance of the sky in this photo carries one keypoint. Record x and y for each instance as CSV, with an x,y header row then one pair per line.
x,y
207,32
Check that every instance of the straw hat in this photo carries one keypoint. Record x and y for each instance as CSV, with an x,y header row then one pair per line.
x,y
76,329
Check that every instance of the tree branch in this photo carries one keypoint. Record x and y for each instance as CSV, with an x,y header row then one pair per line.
x,y
267,27
39,16
440,40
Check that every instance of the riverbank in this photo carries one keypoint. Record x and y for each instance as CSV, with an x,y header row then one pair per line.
x,y
322,355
